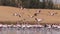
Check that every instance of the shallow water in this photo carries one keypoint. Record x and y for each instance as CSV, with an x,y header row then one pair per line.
x,y
29,31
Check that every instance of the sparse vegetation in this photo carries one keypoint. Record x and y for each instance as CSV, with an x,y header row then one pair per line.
x,y
46,4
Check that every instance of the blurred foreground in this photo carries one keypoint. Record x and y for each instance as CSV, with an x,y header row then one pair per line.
x,y
33,30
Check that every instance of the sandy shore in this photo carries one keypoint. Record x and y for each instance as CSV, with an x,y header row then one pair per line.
x,y
6,14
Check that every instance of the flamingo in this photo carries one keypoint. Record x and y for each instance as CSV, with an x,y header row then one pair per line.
x,y
14,26
1,27
58,26
41,26
54,26
23,26
5,26
29,26
49,26
18,25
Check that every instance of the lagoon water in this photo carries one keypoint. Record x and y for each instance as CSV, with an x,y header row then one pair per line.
x,y
29,31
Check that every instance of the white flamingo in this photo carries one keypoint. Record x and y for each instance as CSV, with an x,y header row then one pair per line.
x,y
54,26
29,26
35,26
1,25
58,26
9,25
18,25
5,26
14,26
41,26
49,26
23,26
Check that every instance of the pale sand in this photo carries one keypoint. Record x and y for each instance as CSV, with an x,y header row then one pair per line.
x,y
6,14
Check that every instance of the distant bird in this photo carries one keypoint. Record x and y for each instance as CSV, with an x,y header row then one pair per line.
x,y
9,26
31,16
29,26
23,26
58,26
41,26
48,26
35,14
15,14
18,25
45,25
38,11
1,25
54,26
53,13
19,15
38,20
38,26
22,8
4,26
14,26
